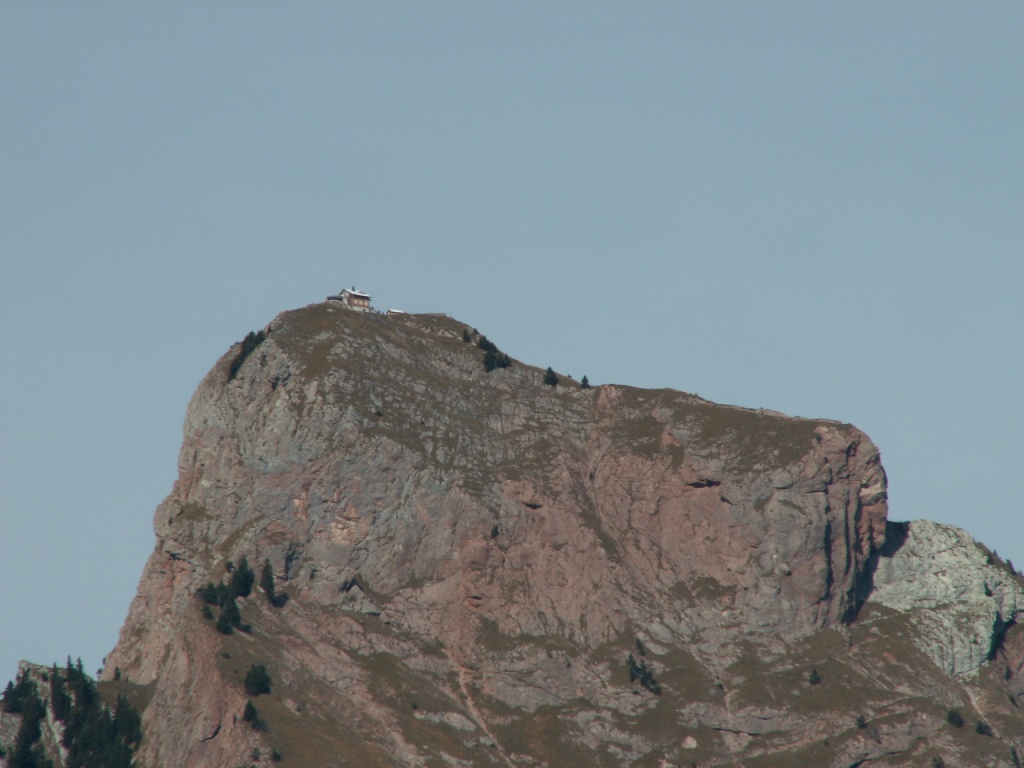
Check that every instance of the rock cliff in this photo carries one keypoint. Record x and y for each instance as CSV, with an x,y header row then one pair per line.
x,y
482,569
965,597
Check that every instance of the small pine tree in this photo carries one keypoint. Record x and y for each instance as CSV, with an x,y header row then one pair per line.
x,y
490,360
223,593
267,578
814,678
550,377
642,673
257,680
60,702
954,718
585,383
466,337
10,698
242,579
127,721
27,752
231,613
208,594
267,584
252,717
224,625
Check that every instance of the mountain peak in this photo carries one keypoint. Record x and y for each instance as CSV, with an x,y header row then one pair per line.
x,y
484,568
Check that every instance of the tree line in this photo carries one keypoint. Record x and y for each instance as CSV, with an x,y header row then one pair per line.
x,y
92,733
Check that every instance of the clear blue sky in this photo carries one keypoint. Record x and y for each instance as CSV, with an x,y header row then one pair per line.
x,y
812,207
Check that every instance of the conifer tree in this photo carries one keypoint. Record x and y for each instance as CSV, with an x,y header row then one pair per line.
x,y
127,721
490,360
257,680
252,717
242,579
60,702
267,580
229,617
267,584
208,593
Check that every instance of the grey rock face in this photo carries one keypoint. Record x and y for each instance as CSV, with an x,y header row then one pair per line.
x,y
962,598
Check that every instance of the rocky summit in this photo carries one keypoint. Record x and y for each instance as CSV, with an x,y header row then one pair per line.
x,y
389,544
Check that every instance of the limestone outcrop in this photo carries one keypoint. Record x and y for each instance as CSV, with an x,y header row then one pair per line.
x,y
482,569
964,597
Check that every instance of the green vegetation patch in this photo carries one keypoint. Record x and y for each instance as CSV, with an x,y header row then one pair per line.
x,y
708,588
491,638
410,695
438,325
307,739
298,718
746,438
551,735
754,437
193,513
992,558
640,432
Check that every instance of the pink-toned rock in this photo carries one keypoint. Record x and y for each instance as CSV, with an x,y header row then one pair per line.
x,y
484,547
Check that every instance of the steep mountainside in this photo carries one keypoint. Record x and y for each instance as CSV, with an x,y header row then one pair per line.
x,y
482,569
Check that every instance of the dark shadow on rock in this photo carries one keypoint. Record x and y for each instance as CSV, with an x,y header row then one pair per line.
x,y
999,629
896,535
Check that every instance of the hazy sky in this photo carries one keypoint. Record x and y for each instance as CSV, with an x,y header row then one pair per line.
x,y
816,208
